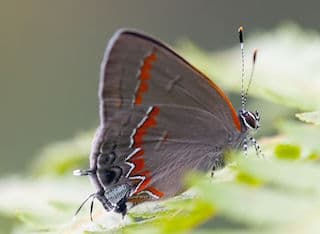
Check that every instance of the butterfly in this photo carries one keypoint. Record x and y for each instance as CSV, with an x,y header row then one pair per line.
x,y
160,117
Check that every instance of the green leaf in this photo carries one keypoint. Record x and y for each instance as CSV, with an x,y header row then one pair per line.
x,y
245,178
301,134
186,215
281,207
309,117
287,151
299,176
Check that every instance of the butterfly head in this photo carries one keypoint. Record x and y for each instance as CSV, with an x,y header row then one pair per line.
x,y
249,120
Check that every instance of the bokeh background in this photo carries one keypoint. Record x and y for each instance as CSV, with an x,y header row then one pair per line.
x,y
50,52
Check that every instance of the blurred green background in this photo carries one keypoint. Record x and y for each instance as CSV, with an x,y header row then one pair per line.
x,y
50,53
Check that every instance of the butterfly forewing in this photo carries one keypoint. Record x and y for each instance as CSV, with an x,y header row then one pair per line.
x,y
138,70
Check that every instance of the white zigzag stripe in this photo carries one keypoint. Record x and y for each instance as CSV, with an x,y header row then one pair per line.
x,y
132,166
144,119
142,178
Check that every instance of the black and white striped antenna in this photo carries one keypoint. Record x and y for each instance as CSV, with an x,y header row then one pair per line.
x,y
244,92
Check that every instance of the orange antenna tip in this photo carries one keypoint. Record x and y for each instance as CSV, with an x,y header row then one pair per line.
x,y
240,31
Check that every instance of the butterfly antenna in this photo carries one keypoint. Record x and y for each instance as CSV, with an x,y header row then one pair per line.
x,y
243,99
254,58
84,202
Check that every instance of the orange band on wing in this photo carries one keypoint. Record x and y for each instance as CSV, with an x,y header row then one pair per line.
x,y
139,164
144,77
227,100
142,130
146,181
155,191
140,176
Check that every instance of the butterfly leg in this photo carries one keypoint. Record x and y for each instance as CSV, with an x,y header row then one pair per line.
x,y
99,195
122,206
257,147
91,208
245,147
218,163
212,170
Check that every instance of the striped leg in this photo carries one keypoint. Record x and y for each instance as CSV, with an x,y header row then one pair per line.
x,y
257,147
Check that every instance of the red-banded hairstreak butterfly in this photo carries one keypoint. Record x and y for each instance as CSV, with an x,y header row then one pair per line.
x,y
159,118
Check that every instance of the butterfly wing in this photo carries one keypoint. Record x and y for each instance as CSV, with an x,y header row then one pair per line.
x,y
139,70
160,117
